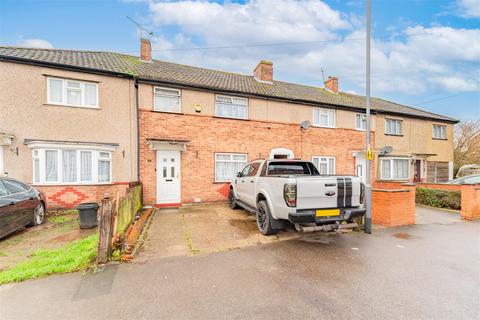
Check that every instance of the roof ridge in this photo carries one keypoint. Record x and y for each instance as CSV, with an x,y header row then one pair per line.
x,y
60,49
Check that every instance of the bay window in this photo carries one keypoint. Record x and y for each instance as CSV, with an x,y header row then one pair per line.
x,y
394,169
72,93
71,166
228,164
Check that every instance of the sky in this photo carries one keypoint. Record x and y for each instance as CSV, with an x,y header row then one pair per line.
x,y
425,53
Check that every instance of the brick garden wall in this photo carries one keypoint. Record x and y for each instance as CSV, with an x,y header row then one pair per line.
x,y
68,197
208,135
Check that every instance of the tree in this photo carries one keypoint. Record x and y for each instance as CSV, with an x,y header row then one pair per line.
x,y
466,143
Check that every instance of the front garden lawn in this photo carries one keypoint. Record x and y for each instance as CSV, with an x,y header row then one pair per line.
x,y
74,256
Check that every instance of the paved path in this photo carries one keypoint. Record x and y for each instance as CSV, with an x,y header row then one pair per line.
x,y
428,271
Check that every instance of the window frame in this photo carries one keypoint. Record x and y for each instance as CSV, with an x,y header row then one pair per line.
x,y
170,89
38,153
64,93
443,129
394,134
364,116
391,160
319,109
231,160
327,162
232,97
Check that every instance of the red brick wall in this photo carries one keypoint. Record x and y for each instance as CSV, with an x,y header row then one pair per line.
x,y
393,207
208,135
470,202
68,197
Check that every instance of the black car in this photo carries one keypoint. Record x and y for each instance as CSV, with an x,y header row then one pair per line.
x,y
20,205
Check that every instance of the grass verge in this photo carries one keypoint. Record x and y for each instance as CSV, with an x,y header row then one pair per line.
x,y
72,257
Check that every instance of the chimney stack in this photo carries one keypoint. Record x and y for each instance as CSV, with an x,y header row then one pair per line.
x,y
145,50
331,84
263,72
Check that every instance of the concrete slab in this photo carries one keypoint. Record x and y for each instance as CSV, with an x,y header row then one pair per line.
x,y
204,229
428,215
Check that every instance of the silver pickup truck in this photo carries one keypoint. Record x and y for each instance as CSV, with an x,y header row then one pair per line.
x,y
278,191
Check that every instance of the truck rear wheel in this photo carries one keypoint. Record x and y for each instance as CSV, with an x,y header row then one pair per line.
x,y
232,201
264,219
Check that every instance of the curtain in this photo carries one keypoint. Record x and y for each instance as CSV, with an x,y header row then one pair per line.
x,y
103,170
69,163
331,166
51,166
36,170
232,109
86,166
167,100
225,169
386,169
90,94
56,90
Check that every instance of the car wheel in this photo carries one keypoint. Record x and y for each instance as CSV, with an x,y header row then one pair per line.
x,y
38,214
264,219
232,201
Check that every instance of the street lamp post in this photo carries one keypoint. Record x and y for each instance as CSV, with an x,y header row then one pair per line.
x,y
369,152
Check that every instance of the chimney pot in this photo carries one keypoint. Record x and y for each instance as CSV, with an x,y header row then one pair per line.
x,y
263,72
331,84
145,50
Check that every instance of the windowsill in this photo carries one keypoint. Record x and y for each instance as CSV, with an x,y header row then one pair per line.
x,y
441,139
230,118
394,135
70,106
220,182
56,184
358,129
168,112
325,127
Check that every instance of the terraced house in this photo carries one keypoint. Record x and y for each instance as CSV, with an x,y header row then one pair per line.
x,y
189,129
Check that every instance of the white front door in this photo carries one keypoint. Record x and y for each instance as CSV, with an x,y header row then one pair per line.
x,y
168,177
360,168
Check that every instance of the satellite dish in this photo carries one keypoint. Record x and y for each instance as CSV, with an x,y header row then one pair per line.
x,y
386,150
305,124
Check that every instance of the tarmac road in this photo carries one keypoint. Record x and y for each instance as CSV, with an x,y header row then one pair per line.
x,y
426,271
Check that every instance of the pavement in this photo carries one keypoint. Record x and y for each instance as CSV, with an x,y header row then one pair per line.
x,y
425,271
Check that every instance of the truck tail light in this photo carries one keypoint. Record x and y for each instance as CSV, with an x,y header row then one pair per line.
x,y
290,194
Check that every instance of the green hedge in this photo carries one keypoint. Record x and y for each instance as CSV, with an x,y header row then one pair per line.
x,y
438,198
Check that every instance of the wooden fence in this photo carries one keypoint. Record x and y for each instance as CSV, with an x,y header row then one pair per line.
x,y
115,217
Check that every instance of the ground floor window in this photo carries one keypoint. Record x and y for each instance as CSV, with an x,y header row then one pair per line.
x,y
71,166
394,169
325,165
228,164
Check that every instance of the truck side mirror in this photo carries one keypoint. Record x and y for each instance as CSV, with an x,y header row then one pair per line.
x,y
238,175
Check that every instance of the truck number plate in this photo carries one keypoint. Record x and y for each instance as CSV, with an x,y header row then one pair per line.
x,y
328,212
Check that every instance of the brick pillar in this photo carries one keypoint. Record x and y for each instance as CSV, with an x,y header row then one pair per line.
x,y
394,207
470,202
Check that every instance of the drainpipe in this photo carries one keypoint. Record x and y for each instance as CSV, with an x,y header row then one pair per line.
x,y
138,128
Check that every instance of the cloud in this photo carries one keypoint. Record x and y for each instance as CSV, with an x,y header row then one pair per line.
x,y
468,8
419,59
35,43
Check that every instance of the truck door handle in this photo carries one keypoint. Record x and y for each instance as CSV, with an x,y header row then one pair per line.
x,y
12,203
251,181
243,180
169,180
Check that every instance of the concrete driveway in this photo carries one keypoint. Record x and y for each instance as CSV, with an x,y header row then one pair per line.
x,y
426,271
203,229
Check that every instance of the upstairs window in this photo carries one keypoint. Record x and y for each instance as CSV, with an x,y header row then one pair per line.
x,y
167,99
72,92
393,127
361,122
325,165
324,118
231,107
439,132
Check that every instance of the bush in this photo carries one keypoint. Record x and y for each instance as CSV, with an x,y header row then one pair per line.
x,y
438,198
